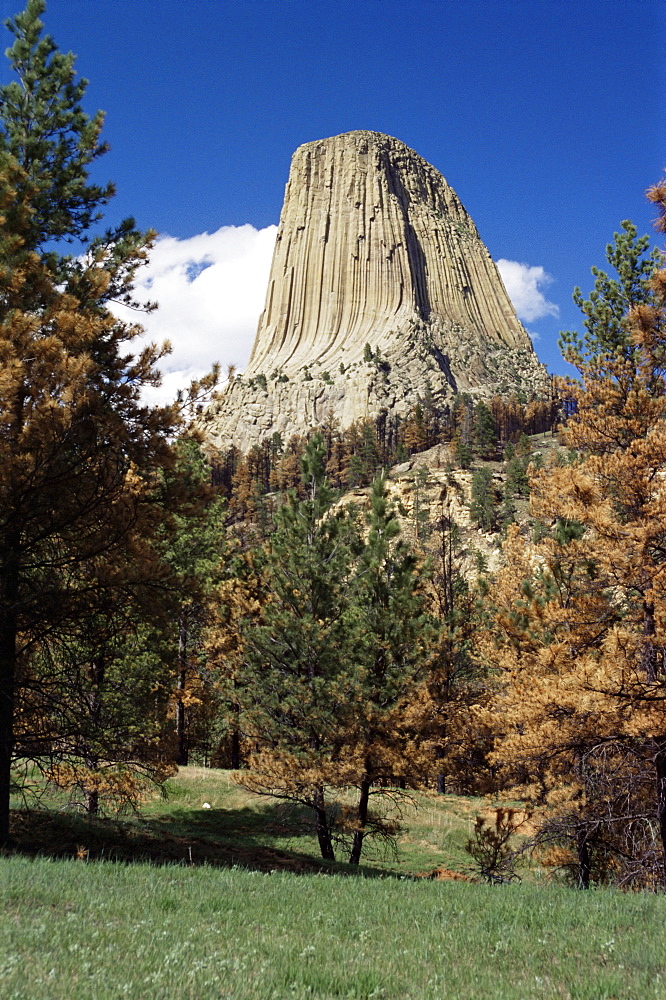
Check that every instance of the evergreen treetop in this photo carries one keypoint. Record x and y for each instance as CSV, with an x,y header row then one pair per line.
x,y
607,331
46,132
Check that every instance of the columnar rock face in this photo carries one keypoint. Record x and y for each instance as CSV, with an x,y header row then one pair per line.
x,y
381,293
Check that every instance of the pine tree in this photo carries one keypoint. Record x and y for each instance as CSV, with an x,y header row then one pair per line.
x,y
194,549
79,453
581,616
483,508
297,671
414,434
363,461
420,505
47,134
606,312
75,721
485,433
452,747
464,435
393,645
516,482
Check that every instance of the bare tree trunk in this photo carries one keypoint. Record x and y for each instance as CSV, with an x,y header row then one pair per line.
x,y
441,777
362,819
235,751
9,589
323,829
182,755
92,801
650,666
235,738
660,769
584,860
97,673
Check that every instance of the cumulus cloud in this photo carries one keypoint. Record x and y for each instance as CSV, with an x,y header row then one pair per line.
x,y
210,289
524,285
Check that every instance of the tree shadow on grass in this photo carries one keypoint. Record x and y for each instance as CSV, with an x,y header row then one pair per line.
x,y
221,838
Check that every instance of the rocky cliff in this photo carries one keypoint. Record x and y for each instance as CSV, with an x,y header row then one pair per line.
x,y
381,293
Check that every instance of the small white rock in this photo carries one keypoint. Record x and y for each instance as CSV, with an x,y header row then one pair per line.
x,y
206,805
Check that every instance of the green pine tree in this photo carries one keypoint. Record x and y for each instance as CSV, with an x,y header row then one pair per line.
x,y
605,320
393,644
452,677
365,459
420,504
485,432
483,509
516,483
109,745
297,675
194,549
45,130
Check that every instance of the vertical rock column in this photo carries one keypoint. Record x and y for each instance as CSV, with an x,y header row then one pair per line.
x,y
370,237
373,247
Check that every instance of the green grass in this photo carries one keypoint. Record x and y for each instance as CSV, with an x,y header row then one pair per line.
x,y
435,827
100,931
233,901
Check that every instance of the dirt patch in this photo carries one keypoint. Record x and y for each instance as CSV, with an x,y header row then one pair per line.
x,y
445,874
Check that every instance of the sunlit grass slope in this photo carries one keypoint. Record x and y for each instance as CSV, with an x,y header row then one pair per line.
x,y
435,828
242,829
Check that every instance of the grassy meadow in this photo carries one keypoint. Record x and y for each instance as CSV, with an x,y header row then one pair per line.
x,y
242,829
248,911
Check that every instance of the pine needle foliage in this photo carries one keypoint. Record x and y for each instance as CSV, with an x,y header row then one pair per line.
x,y
579,628
81,493
298,675
330,653
395,634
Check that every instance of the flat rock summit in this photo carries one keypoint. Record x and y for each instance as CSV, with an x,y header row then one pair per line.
x,y
381,294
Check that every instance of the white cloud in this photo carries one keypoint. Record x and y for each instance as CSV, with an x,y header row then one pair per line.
x,y
523,284
210,289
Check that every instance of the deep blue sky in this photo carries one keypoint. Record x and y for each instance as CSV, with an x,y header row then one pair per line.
x,y
546,117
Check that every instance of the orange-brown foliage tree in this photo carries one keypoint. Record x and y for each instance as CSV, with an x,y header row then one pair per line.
x,y
81,456
580,625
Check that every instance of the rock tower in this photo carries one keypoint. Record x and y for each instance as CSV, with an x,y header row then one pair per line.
x,y
381,293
